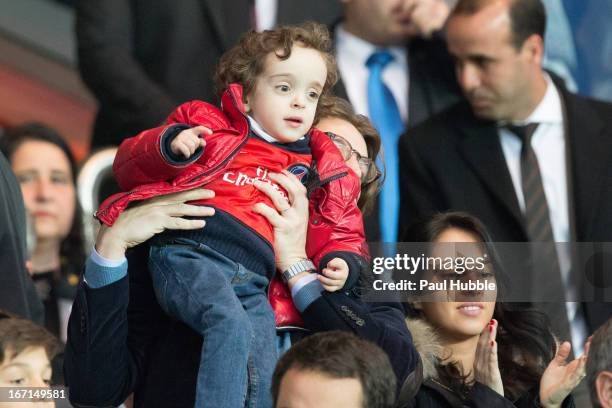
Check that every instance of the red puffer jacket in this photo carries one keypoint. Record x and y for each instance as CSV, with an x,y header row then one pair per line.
x,y
142,170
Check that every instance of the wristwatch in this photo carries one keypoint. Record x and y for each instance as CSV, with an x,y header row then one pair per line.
x,y
298,267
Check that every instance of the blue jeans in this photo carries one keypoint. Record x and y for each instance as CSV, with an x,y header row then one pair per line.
x,y
228,306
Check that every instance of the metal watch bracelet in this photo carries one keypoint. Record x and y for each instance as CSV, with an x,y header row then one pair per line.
x,y
300,266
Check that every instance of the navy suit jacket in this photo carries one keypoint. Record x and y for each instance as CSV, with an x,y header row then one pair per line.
x,y
120,341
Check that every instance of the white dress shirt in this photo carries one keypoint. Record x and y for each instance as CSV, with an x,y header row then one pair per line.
x,y
352,53
549,145
265,14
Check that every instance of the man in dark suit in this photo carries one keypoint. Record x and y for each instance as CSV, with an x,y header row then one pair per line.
x,y
121,342
419,76
143,58
552,183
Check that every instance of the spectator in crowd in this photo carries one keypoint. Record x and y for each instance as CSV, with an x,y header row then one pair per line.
x,y
17,293
394,68
143,58
528,158
599,366
453,351
334,369
26,351
272,83
158,347
45,168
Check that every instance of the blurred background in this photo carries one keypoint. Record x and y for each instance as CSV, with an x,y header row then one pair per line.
x,y
39,78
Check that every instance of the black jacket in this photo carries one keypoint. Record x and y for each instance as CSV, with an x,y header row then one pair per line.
x,y
17,293
454,161
120,341
433,394
143,58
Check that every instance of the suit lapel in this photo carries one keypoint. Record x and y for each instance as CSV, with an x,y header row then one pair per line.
x,y
590,154
482,150
226,16
419,104
432,86
339,88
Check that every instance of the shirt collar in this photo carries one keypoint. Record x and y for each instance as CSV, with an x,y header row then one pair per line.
x,y
549,109
256,127
359,50
259,131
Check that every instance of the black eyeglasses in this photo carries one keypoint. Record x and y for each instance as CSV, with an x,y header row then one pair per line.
x,y
369,173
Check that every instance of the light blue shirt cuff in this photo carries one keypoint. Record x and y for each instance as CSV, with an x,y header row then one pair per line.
x,y
303,282
100,272
307,294
102,261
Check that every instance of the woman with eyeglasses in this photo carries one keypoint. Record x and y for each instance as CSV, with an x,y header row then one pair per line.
x,y
359,144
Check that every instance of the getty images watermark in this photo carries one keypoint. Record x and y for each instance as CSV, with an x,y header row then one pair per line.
x,y
509,272
456,265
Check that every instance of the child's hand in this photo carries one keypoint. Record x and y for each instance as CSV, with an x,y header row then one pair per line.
x,y
334,276
189,140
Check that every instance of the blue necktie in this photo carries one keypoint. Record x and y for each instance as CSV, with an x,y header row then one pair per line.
x,y
385,115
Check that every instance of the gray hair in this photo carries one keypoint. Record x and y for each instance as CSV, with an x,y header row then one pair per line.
x,y
600,356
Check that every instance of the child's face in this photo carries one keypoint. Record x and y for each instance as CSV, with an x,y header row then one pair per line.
x,y
30,368
285,97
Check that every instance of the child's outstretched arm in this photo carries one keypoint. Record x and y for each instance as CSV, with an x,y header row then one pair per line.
x,y
149,157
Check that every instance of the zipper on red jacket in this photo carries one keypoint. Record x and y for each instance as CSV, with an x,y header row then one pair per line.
x,y
105,209
327,180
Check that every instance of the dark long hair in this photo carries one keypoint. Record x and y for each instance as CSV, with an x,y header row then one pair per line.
x,y
72,252
524,338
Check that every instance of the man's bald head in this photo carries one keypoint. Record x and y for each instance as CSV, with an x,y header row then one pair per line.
x,y
527,17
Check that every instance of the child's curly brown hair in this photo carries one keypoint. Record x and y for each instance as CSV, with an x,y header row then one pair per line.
x,y
244,62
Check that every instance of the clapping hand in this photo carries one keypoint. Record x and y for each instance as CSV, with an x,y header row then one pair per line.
x,y
486,367
560,377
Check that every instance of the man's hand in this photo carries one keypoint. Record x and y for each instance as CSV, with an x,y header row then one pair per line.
x,y
429,16
189,140
289,219
334,276
151,217
561,377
